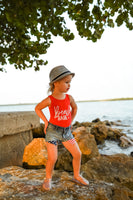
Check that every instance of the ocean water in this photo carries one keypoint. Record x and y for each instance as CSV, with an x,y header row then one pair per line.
x,y
104,110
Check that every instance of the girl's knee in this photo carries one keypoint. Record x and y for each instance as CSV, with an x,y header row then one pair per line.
x,y
52,159
77,154
52,153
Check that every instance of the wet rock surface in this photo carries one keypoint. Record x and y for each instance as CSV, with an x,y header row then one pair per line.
x,y
18,183
116,169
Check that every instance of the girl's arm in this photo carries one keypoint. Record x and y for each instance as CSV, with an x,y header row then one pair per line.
x,y
38,109
74,107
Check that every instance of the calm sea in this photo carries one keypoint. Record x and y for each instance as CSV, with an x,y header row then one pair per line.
x,y
88,111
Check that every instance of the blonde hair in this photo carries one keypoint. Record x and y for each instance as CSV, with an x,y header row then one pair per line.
x,y
51,87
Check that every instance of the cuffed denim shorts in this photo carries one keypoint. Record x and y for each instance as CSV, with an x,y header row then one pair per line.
x,y
56,134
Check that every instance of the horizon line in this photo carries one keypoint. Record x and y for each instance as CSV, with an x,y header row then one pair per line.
x,y
79,101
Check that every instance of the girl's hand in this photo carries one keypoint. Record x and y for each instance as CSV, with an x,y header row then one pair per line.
x,y
45,127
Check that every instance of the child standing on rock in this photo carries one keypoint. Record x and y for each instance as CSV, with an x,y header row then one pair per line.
x,y
63,109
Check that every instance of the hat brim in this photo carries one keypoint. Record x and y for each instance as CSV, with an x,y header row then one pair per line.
x,y
63,76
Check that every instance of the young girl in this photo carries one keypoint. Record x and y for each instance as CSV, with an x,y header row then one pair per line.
x,y
63,109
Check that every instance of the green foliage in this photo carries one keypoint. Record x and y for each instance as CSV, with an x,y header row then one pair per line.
x,y
26,27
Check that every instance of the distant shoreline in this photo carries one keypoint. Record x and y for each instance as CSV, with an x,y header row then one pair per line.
x,y
117,99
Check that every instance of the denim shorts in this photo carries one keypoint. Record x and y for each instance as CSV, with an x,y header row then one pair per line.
x,y
56,134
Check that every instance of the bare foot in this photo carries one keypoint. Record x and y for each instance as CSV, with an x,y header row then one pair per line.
x,y
46,184
80,180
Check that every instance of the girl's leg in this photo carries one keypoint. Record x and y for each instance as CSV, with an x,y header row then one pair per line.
x,y
76,153
52,157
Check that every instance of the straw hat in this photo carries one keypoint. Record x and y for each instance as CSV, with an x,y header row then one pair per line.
x,y
58,73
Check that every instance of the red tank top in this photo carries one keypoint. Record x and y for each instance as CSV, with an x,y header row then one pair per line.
x,y
60,111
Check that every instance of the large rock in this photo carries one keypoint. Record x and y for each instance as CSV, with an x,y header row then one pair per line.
x,y
16,122
86,142
15,134
35,154
12,148
114,134
125,141
100,132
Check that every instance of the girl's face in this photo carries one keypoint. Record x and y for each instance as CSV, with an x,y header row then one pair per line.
x,y
63,85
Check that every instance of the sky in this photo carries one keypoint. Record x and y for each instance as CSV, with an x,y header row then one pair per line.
x,y
103,70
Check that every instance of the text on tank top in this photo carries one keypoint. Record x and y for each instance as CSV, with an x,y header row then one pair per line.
x,y
60,111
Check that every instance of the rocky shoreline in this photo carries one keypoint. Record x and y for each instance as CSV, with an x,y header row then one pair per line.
x,y
110,177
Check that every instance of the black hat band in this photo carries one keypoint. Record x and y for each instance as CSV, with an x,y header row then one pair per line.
x,y
60,75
